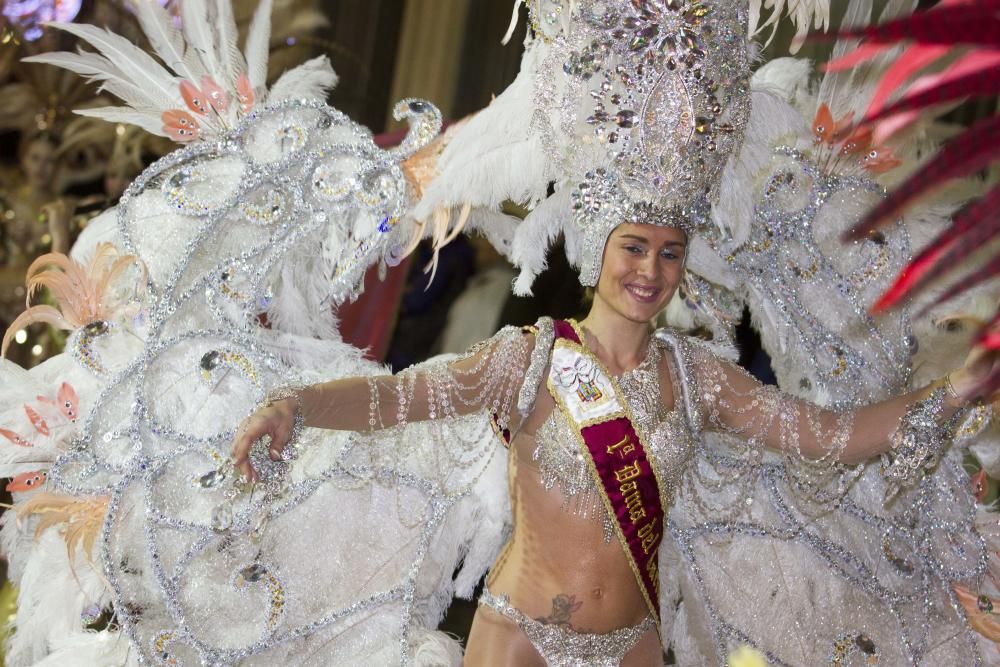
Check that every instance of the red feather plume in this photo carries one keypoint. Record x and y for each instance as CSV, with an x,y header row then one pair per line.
x,y
977,223
976,23
978,84
971,151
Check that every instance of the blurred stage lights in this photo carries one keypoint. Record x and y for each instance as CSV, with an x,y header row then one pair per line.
x,y
29,15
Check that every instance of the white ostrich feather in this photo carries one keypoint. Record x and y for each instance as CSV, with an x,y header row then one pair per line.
x,y
166,40
52,594
196,22
495,156
231,60
786,77
335,357
136,66
432,648
677,315
16,545
535,235
132,95
90,65
771,119
497,227
299,306
486,526
87,649
146,120
312,79
805,14
257,46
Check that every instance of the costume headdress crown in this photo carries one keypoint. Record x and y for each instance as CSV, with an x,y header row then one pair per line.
x,y
641,103
624,110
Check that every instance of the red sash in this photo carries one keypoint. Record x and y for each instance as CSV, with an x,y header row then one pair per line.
x,y
596,409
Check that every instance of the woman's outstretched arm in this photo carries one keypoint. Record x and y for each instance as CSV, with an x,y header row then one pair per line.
x,y
488,377
736,403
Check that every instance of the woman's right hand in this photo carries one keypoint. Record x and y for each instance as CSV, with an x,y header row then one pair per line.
x,y
276,420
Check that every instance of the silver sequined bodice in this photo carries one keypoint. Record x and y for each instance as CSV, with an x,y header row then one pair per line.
x,y
563,464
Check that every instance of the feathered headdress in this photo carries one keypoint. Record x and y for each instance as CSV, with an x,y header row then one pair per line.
x,y
628,110
199,84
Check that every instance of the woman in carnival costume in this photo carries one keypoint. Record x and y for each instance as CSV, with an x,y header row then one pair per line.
x,y
377,498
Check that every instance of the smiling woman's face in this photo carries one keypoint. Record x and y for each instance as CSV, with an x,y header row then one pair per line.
x,y
642,267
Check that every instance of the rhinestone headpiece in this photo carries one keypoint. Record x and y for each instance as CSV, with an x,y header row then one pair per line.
x,y
642,102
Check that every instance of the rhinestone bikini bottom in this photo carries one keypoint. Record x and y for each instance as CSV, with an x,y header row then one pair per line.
x,y
561,647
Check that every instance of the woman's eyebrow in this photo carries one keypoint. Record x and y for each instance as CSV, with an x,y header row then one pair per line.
x,y
643,239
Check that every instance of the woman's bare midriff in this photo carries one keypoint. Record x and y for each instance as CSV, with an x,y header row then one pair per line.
x,y
556,568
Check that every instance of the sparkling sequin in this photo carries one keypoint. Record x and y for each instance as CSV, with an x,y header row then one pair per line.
x,y
544,337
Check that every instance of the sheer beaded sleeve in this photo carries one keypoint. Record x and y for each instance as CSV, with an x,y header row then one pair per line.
x,y
487,378
733,402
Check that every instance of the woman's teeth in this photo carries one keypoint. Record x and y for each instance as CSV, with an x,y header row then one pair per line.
x,y
644,293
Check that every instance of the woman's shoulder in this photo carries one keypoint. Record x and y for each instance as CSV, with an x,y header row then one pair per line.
x,y
692,347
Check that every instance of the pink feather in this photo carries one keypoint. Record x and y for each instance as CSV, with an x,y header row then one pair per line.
x,y
36,420
15,438
882,130
46,314
194,98
214,93
914,59
69,403
27,481
971,75
863,53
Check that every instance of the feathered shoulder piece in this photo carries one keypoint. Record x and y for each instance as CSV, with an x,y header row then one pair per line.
x,y
196,83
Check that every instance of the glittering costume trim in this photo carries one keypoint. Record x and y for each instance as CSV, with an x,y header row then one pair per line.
x,y
917,443
544,337
561,646
686,384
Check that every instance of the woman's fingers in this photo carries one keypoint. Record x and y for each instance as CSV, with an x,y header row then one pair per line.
x,y
265,422
253,429
276,447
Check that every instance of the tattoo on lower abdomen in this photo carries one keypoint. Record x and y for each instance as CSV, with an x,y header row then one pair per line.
x,y
563,607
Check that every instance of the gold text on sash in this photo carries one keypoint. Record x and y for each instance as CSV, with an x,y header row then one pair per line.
x,y
649,536
622,447
633,501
